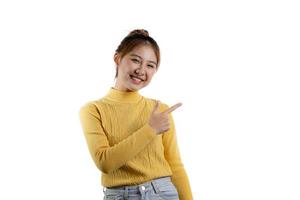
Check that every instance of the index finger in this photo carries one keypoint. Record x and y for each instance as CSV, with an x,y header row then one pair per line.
x,y
171,109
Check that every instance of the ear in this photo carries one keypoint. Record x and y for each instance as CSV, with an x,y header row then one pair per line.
x,y
117,58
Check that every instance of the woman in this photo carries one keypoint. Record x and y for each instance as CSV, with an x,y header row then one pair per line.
x,y
132,138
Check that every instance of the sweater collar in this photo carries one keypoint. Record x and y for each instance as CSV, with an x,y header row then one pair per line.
x,y
123,96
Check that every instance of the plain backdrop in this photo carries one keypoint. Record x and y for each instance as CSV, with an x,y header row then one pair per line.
x,y
233,64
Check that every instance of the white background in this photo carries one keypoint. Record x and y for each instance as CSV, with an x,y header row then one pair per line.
x,y
233,64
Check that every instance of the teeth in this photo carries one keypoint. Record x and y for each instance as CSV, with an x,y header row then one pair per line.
x,y
136,77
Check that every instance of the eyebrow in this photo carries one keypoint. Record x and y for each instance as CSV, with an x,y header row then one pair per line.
x,y
142,58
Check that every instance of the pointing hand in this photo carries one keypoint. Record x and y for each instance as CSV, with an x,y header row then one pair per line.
x,y
160,120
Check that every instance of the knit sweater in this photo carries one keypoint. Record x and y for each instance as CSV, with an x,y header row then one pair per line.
x,y
125,148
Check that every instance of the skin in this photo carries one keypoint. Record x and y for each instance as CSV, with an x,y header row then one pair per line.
x,y
160,120
142,62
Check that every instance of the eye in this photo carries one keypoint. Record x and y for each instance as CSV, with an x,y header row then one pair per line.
x,y
135,60
151,66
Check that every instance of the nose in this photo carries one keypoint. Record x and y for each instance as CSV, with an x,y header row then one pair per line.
x,y
140,70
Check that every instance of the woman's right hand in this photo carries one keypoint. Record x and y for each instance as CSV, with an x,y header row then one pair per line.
x,y
160,120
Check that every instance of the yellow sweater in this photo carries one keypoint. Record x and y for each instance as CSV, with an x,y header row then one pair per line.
x,y
125,148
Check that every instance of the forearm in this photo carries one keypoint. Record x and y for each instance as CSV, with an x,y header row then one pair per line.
x,y
109,159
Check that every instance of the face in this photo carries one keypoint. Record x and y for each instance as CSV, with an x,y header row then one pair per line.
x,y
136,68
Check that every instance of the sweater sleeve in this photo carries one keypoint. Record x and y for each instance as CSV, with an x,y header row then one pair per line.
x,y
109,158
172,155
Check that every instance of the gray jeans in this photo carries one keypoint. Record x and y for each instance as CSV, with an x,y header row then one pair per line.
x,y
157,189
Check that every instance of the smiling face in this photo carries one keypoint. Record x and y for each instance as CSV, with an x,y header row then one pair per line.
x,y
136,68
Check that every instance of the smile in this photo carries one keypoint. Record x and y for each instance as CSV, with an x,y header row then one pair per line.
x,y
135,78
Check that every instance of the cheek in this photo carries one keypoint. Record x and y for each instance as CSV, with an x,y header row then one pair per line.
x,y
127,62
126,67
150,75
153,72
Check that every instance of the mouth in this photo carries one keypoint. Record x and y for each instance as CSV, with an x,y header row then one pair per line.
x,y
136,78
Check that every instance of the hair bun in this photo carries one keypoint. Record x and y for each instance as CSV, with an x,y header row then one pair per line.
x,y
139,32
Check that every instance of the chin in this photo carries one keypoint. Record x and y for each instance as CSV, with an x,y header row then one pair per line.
x,y
131,89
136,88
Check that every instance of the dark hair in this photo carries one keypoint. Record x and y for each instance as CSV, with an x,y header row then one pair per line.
x,y
133,39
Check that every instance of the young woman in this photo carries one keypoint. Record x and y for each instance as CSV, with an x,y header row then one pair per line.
x,y
132,138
